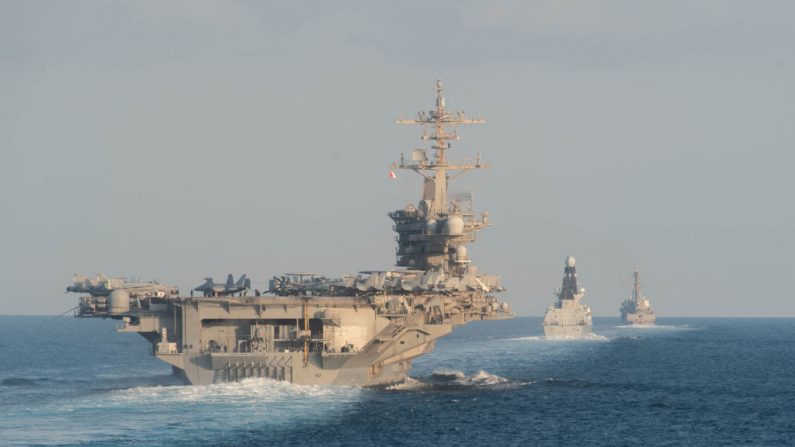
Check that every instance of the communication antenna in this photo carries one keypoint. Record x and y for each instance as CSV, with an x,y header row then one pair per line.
x,y
440,128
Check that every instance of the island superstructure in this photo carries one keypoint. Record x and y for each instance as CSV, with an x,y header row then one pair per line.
x,y
568,317
636,309
362,329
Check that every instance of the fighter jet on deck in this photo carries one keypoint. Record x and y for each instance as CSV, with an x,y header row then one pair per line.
x,y
210,288
102,285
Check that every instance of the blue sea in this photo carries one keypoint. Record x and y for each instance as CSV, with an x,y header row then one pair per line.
x,y
687,381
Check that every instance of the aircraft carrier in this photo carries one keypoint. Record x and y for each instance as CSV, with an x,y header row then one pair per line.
x,y
637,309
568,317
362,329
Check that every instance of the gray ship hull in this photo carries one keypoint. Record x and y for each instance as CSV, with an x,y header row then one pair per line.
x,y
567,331
304,340
568,319
637,310
640,319
289,367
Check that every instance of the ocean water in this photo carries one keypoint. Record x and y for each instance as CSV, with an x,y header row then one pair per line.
x,y
702,382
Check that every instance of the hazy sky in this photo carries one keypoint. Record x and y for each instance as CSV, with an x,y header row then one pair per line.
x,y
175,140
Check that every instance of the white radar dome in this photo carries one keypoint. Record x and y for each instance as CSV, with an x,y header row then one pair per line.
x,y
570,261
455,225
119,301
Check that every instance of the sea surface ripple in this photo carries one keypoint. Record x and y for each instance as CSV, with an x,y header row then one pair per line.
x,y
685,382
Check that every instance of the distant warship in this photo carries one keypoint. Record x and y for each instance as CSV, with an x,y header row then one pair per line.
x,y
361,329
568,317
637,309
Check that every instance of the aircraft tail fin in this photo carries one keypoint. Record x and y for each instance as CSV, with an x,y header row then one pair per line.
x,y
243,282
230,281
207,285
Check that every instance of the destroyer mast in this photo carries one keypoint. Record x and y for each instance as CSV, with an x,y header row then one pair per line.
x,y
568,317
637,309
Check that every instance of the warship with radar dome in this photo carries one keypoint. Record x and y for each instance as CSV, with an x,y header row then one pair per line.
x,y
568,317
362,329
636,309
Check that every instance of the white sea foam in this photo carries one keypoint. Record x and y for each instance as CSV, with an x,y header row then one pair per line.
x,y
482,378
588,337
409,384
529,338
149,409
661,327
245,391
454,379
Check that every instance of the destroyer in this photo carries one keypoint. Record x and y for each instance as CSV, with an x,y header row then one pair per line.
x,y
358,330
568,317
637,309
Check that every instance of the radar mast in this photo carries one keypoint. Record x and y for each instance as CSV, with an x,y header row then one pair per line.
x,y
433,235
440,128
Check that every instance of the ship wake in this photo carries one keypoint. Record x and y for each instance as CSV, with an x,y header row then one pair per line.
x,y
154,411
453,380
661,327
589,337
248,391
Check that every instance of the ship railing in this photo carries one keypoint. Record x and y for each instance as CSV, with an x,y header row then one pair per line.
x,y
338,354
437,320
147,313
273,354
245,341
392,315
